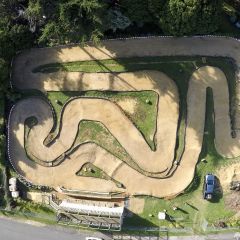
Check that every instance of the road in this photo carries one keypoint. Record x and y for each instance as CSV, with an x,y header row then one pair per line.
x,y
15,230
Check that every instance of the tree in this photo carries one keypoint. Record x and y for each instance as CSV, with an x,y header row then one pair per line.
x,y
208,16
179,17
190,16
116,20
234,3
137,11
78,20
51,33
3,75
156,8
7,8
34,15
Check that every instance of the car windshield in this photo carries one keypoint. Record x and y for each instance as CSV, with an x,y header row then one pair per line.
x,y
210,182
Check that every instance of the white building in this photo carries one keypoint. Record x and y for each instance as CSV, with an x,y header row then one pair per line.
x,y
91,215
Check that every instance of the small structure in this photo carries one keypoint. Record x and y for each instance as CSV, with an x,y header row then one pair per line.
x,y
13,187
162,215
91,215
235,185
15,194
13,181
204,59
58,102
174,208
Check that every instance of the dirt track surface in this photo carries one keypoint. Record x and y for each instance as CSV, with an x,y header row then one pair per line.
x,y
27,61
124,131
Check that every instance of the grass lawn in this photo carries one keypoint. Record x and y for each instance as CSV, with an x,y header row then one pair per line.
x,y
197,211
178,68
90,170
193,210
27,210
144,119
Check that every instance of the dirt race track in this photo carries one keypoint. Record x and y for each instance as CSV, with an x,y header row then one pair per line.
x,y
172,179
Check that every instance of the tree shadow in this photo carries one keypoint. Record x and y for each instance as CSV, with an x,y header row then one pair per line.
x,y
136,227
192,206
136,221
182,210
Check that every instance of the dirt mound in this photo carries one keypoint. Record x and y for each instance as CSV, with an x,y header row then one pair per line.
x,y
227,174
232,201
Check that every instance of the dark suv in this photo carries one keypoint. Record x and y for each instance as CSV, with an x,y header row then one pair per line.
x,y
208,188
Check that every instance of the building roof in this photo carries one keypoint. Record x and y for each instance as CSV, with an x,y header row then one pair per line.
x,y
91,209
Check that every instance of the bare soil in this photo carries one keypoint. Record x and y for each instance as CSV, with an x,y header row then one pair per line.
x,y
113,118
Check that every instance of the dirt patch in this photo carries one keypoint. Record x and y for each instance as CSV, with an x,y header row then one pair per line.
x,y
232,201
227,174
136,205
128,105
35,196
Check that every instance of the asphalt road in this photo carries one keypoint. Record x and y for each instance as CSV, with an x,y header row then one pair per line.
x,y
15,230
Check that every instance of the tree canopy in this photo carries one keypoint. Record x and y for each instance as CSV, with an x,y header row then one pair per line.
x,y
191,16
176,17
25,23
234,3
50,22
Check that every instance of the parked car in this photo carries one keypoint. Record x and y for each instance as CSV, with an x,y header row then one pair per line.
x,y
209,185
93,238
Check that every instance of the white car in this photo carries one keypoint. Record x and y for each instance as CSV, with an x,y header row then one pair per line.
x,y
93,238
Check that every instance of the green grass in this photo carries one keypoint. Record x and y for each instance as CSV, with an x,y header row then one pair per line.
x,y
27,210
94,172
90,131
178,68
117,65
144,118
29,206
90,170
198,210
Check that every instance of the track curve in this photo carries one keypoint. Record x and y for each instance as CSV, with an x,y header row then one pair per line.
x,y
127,134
